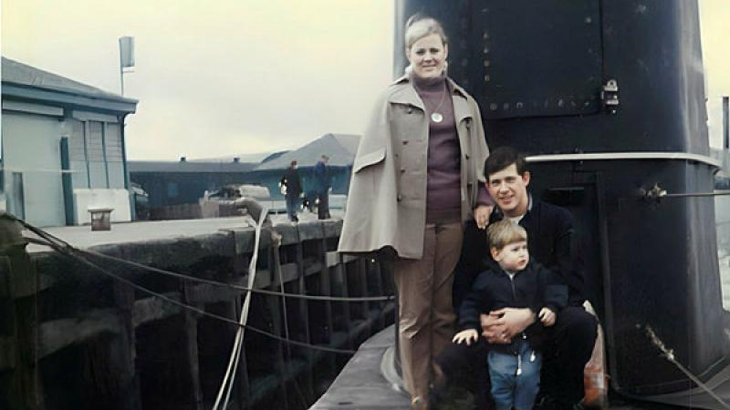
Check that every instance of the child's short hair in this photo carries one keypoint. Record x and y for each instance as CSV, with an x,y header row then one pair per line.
x,y
503,233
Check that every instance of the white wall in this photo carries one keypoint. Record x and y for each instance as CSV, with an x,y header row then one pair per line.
x,y
31,145
84,199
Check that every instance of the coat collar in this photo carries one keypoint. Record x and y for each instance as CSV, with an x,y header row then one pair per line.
x,y
498,215
405,93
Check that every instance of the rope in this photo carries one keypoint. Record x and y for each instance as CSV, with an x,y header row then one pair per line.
x,y
277,267
71,248
67,250
321,298
669,355
188,307
238,341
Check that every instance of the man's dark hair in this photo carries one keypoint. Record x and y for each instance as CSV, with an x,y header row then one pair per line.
x,y
502,158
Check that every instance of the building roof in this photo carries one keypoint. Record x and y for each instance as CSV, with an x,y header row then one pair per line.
x,y
188,166
340,148
22,80
252,158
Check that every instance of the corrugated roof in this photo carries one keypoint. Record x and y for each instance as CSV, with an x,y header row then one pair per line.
x,y
187,166
14,72
340,148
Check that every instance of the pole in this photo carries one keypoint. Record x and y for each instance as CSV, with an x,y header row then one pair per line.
x,y
725,122
121,66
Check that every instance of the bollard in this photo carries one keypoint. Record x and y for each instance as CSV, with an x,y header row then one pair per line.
x,y
101,219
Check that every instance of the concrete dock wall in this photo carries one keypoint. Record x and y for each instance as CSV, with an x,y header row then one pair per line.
x,y
71,337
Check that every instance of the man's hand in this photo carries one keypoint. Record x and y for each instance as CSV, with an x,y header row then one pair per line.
x,y
468,336
500,326
493,328
481,215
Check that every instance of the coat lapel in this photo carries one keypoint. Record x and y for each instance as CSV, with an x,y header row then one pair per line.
x,y
462,109
406,95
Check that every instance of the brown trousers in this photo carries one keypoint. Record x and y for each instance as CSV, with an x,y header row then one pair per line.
x,y
426,311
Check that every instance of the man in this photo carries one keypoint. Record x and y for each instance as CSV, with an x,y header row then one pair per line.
x,y
322,186
552,242
291,187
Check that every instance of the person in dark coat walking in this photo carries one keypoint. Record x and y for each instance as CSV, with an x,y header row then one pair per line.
x,y
322,184
291,187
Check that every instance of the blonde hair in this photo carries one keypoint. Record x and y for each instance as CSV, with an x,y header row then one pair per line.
x,y
419,26
505,232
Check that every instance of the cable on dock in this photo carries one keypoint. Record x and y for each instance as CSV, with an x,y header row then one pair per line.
x,y
669,355
87,253
66,250
189,307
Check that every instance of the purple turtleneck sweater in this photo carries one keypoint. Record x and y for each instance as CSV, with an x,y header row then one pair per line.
x,y
443,198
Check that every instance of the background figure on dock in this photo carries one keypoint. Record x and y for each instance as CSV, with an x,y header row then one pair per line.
x,y
412,209
322,184
291,187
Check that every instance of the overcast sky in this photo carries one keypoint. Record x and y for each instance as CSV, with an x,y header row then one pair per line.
x,y
220,77
223,77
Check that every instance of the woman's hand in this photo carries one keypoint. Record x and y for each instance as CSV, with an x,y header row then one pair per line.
x,y
482,214
468,336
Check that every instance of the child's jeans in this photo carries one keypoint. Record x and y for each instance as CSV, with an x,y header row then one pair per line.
x,y
515,376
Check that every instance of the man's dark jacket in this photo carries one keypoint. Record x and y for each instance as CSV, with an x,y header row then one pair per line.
x,y
533,287
321,176
292,182
551,241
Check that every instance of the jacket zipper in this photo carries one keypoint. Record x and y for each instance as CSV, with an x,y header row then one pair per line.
x,y
512,283
514,300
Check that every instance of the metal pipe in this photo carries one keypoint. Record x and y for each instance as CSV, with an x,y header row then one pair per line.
x,y
726,122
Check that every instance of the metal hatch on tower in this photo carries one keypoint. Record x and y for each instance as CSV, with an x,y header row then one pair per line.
x,y
538,58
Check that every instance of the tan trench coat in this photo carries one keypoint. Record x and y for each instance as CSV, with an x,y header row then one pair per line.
x,y
386,205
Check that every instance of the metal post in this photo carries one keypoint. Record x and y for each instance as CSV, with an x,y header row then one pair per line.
x,y
121,79
126,56
121,67
726,122
67,182
301,284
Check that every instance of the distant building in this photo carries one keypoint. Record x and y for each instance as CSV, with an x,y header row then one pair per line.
x,y
62,148
341,150
184,182
170,183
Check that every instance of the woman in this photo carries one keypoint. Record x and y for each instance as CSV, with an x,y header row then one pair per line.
x,y
416,178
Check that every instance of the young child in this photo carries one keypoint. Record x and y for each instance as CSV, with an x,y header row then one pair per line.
x,y
514,368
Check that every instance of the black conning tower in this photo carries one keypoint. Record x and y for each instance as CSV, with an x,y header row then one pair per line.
x,y
608,100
